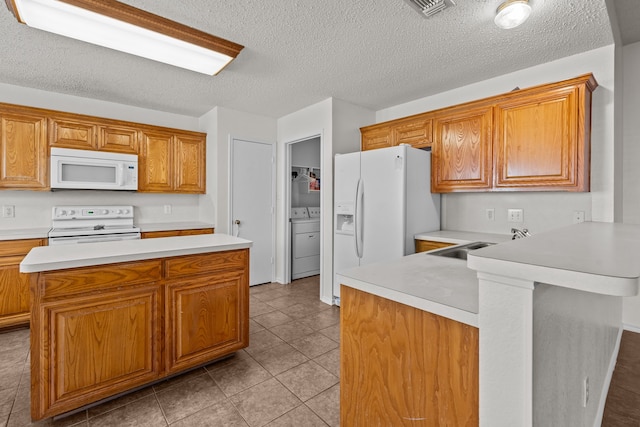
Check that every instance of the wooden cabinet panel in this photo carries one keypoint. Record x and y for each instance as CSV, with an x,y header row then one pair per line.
x,y
462,151
118,139
156,162
417,132
429,245
14,286
401,366
376,137
23,151
189,166
538,142
103,345
175,233
206,319
69,133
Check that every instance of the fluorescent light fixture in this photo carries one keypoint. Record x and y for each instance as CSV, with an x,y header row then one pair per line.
x,y
512,13
118,26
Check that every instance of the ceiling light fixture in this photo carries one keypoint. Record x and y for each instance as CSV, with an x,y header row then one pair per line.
x,y
118,26
512,13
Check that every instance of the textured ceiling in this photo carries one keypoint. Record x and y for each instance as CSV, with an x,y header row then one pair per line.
x,y
298,52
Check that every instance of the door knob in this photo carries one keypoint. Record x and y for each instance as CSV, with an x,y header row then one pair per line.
x,y
236,222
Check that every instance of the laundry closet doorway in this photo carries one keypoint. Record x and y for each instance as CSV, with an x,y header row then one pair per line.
x,y
304,238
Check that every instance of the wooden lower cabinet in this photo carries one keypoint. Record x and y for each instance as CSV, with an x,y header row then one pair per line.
x,y
174,233
401,366
429,245
103,330
14,286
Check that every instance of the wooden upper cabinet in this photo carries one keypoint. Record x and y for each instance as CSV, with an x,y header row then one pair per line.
x,y
541,140
120,139
461,153
417,132
70,133
23,151
375,136
156,162
189,168
172,162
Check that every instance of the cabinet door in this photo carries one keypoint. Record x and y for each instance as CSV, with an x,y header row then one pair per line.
x,y
156,162
429,245
104,344
462,151
119,139
190,164
207,317
417,132
23,151
72,134
376,137
537,143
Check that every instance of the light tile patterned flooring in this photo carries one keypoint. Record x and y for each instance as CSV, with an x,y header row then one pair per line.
x,y
288,376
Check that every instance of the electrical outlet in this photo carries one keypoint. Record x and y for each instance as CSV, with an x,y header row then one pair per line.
x,y
578,217
8,211
585,392
515,215
490,214
167,209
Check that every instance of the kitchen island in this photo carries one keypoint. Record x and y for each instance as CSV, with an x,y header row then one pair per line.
x,y
111,317
548,317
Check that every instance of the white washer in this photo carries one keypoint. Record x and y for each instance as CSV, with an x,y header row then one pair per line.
x,y
305,242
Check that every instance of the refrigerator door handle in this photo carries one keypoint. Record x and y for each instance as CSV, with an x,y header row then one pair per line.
x,y
359,219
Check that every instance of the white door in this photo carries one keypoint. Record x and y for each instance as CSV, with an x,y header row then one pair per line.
x,y
252,203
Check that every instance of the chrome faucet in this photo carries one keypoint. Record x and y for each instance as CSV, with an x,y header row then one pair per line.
x,y
519,234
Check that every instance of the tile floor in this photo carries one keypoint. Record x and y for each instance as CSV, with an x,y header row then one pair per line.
x,y
288,376
623,401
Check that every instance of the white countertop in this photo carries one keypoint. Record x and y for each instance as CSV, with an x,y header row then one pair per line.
x,y
462,237
24,233
172,226
440,285
592,256
59,257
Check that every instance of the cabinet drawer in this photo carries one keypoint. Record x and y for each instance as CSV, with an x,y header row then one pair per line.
x,y
429,245
212,262
105,277
174,233
19,247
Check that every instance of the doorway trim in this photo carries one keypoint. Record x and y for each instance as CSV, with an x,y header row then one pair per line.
x,y
232,232
287,204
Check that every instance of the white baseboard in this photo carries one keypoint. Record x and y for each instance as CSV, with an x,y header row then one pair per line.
x,y
607,381
327,300
631,328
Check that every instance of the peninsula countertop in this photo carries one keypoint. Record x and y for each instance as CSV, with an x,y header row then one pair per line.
x,y
595,257
439,285
46,258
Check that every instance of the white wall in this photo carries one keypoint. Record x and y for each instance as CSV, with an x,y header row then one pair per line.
x,y
542,211
222,124
337,123
631,171
33,208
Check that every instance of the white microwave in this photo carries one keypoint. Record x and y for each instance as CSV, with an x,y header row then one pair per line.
x,y
93,170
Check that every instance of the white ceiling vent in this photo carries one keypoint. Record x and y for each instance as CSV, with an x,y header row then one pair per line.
x,y
428,8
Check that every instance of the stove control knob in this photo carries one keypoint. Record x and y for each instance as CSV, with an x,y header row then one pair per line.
x,y
72,212
104,211
62,212
126,211
119,211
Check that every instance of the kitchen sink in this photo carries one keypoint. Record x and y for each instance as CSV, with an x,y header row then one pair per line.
x,y
460,251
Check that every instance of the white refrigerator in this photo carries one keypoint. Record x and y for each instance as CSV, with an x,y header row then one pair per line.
x,y
382,199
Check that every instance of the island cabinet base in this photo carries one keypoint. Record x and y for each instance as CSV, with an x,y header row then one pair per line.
x,y
103,330
401,366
